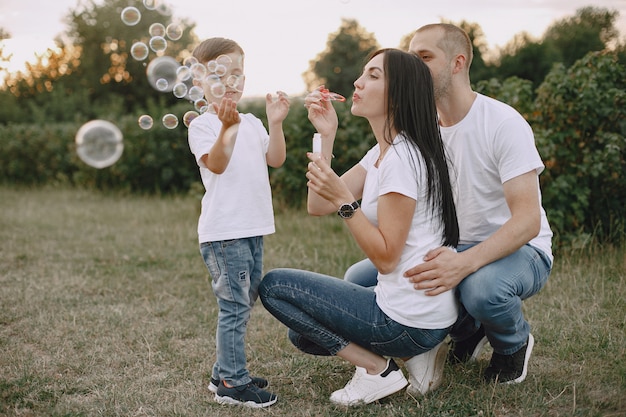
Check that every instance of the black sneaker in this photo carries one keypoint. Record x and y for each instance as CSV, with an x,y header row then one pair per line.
x,y
510,369
258,381
468,350
247,395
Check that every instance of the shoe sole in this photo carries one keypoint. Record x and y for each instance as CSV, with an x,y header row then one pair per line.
x,y
437,378
529,349
250,404
388,390
478,349
213,388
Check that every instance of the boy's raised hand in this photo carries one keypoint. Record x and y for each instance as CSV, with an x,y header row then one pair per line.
x,y
227,112
277,109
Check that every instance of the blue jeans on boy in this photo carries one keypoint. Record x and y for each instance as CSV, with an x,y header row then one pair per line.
x,y
324,314
236,269
492,296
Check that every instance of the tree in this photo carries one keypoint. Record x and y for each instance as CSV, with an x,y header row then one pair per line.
x,y
527,58
590,29
342,61
106,65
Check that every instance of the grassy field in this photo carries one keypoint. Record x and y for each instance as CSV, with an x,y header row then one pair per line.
x,y
105,310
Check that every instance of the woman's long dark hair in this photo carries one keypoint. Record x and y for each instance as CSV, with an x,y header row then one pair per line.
x,y
411,112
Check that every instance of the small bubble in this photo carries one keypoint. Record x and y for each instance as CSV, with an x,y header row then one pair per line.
x,y
131,16
201,105
224,60
156,29
195,93
162,84
190,60
180,90
150,4
235,82
218,90
189,116
158,43
145,122
174,31
198,71
139,51
183,73
220,70
170,121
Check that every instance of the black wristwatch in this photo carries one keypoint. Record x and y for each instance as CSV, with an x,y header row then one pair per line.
x,y
347,210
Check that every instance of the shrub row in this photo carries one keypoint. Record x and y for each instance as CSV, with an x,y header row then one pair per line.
x,y
578,115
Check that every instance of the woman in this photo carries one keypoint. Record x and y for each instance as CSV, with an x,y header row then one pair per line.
x,y
407,208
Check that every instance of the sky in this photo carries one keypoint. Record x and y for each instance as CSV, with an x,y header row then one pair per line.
x,y
280,37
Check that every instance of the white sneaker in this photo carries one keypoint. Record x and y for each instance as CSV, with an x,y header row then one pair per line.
x,y
426,370
364,388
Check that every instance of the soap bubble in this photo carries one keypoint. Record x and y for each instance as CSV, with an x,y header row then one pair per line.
x,y
235,82
174,31
220,70
162,84
211,65
183,73
218,89
189,116
150,4
158,43
156,29
139,51
195,93
170,121
198,71
99,143
201,105
163,67
145,122
131,16
180,90
224,60
190,60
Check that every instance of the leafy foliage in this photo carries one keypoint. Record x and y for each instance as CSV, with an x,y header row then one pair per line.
x,y
577,113
580,125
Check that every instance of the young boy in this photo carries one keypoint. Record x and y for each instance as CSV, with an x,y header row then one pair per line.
x,y
233,152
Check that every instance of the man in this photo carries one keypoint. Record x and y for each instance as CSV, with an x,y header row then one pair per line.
x,y
505,254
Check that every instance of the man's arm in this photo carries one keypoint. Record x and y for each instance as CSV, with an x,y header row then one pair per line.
x,y
444,269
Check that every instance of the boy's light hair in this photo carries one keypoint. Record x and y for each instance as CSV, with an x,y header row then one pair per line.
x,y
211,48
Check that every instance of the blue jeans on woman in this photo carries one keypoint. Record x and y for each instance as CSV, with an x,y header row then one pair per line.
x,y
236,269
491,296
324,314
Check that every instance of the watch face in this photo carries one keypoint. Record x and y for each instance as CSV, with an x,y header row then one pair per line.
x,y
346,211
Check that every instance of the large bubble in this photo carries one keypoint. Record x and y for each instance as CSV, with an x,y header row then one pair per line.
x,y
164,71
99,143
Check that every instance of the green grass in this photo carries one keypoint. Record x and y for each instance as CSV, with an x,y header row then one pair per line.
x,y
105,310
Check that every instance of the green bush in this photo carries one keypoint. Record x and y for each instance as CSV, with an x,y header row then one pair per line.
x,y
578,117
580,126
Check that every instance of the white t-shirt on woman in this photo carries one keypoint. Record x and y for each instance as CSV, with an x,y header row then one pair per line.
x,y
400,172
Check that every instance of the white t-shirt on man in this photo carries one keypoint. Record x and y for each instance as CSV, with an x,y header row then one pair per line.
x,y
490,146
